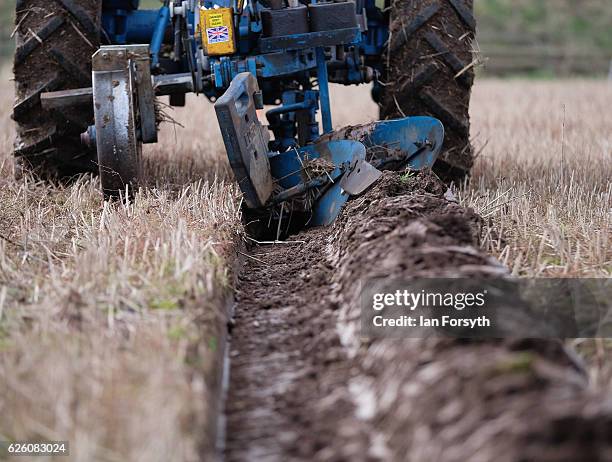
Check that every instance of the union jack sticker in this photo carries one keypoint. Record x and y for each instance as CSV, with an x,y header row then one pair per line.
x,y
217,34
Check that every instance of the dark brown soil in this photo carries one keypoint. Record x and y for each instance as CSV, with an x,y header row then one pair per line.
x,y
304,386
286,356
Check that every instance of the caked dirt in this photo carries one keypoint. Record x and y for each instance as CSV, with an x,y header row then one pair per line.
x,y
304,386
54,44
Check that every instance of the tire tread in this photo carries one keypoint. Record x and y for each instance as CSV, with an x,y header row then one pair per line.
x,y
429,73
55,41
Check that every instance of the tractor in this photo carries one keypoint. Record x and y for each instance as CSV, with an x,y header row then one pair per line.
x,y
89,76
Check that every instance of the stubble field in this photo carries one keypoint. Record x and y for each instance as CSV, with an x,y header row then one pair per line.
x,y
110,313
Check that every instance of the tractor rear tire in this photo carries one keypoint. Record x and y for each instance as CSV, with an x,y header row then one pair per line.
x,y
55,40
428,72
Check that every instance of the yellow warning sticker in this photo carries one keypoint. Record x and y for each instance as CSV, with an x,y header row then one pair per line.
x,y
215,20
217,31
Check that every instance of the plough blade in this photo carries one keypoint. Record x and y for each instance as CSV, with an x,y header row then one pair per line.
x,y
298,165
318,179
330,160
419,138
412,142
360,177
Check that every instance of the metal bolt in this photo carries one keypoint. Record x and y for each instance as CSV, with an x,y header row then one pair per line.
x,y
105,56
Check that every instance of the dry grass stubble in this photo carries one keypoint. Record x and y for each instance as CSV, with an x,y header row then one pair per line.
x,y
543,181
110,313
544,175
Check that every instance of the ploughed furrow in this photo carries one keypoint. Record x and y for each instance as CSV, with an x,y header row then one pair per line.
x,y
286,358
305,386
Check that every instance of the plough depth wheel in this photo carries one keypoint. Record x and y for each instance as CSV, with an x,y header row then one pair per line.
x,y
117,119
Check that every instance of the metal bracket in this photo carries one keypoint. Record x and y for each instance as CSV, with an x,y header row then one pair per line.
x,y
66,98
310,40
246,140
140,56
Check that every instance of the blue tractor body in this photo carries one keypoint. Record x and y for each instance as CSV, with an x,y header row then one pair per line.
x,y
124,23
244,55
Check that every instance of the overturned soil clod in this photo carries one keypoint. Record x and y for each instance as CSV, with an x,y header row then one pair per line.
x,y
305,386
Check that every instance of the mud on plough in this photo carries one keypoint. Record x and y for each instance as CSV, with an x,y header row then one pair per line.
x,y
317,179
